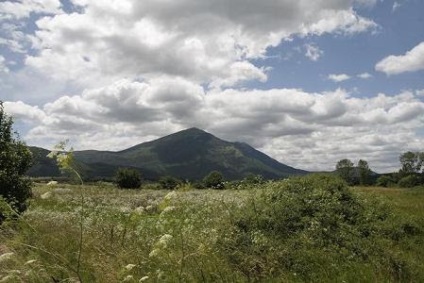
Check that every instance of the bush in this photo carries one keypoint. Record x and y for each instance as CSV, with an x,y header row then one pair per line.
x,y
169,183
385,181
15,160
214,180
319,221
128,178
409,181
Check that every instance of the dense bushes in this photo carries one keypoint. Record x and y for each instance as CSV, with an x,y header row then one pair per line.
x,y
214,180
128,178
319,221
15,159
409,181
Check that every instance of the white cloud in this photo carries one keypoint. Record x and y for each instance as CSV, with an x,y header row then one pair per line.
x,y
365,76
206,42
20,110
307,130
338,77
23,8
412,61
313,52
396,5
3,67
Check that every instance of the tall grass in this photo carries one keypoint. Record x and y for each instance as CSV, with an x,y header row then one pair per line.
x,y
193,236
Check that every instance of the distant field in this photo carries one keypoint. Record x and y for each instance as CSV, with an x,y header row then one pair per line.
x,y
202,236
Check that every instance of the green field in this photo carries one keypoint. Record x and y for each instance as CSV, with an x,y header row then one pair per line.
x,y
98,233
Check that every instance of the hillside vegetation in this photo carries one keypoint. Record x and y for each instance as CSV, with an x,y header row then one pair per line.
x,y
188,155
313,228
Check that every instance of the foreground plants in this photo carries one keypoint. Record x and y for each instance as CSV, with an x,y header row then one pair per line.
x,y
306,229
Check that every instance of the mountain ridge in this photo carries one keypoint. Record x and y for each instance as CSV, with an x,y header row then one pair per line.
x,y
188,154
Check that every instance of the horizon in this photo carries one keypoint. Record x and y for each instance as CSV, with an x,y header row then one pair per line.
x,y
307,83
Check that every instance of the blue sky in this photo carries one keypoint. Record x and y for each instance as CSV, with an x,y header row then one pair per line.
x,y
307,82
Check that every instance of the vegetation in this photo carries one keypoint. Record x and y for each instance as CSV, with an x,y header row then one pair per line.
x,y
189,155
297,230
128,178
15,159
169,183
214,180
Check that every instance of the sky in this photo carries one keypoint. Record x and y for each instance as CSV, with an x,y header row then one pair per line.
x,y
307,82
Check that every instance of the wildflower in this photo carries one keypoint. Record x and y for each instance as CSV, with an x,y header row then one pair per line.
x,y
154,253
170,196
139,210
30,261
144,278
46,195
128,278
6,256
164,240
129,266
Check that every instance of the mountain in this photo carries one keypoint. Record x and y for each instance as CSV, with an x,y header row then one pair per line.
x,y
189,154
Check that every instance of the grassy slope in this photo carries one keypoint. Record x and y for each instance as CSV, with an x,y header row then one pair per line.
x,y
125,236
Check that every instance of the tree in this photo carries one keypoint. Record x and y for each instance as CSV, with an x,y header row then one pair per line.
x,y
214,180
127,178
411,163
15,160
345,170
364,172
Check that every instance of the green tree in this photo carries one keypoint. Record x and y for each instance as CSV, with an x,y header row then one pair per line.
x,y
127,178
15,160
411,163
214,180
345,170
364,172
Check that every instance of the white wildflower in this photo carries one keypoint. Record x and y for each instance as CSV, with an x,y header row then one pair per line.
x,y
129,266
164,241
154,253
139,210
170,196
128,278
30,261
144,278
167,210
46,195
6,256
52,183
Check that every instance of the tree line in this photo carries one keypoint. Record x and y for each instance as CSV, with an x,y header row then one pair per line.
x,y
410,174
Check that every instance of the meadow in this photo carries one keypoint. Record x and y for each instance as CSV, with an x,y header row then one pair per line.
x,y
301,230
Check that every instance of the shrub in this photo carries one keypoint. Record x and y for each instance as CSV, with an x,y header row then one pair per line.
x,y
127,178
169,182
319,221
15,160
409,181
385,181
214,180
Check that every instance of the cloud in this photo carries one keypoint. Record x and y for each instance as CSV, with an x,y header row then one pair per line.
x,y
412,61
307,130
213,43
365,76
338,77
23,9
3,67
396,5
313,52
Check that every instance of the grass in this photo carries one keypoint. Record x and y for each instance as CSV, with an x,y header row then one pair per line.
x,y
192,236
